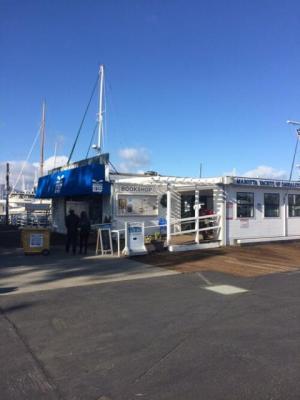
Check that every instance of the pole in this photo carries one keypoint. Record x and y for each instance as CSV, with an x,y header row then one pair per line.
x,y
169,215
197,208
100,114
286,197
200,172
7,194
55,152
223,216
42,139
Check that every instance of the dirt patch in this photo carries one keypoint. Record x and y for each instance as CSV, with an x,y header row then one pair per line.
x,y
246,261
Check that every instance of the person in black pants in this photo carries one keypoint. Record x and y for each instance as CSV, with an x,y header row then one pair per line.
x,y
85,227
72,222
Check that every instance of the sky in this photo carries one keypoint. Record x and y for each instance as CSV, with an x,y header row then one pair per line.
x,y
187,82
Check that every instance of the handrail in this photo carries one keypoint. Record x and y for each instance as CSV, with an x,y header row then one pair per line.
x,y
176,221
194,218
209,228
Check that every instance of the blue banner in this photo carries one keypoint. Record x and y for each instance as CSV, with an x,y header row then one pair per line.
x,y
80,181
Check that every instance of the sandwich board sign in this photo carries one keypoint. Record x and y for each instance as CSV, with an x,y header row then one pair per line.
x,y
134,239
104,241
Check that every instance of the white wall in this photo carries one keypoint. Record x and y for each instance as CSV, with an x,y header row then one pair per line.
x,y
58,215
118,221
106,206
258,226
293,223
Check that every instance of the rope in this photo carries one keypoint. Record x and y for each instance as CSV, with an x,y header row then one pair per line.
x,y
294,157
92,138
293,163
114,168
83,119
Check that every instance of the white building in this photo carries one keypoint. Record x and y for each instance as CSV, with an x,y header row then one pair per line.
x,y
248,210
232,209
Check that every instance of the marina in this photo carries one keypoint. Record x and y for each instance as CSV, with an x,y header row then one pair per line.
x,y
173,212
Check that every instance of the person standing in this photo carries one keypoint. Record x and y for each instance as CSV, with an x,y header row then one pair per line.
x,y
72,222
85,228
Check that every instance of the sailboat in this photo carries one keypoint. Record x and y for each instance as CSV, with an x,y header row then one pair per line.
x,y
24,208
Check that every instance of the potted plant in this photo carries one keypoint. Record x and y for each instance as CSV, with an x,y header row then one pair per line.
x,y
158,241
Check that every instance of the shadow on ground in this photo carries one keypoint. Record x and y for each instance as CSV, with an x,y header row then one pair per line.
x,y
17,269
6,290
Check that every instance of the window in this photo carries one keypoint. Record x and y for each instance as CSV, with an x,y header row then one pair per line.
x,y
271,205
294,205
245,205
137,205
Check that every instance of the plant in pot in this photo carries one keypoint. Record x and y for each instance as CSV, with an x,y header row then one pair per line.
x,y
158,241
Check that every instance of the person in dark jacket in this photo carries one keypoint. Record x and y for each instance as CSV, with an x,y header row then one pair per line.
x,y
85,227
72,222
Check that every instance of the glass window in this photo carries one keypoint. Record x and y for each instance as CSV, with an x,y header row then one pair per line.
x,y
137,205
245,205
294,205
271,205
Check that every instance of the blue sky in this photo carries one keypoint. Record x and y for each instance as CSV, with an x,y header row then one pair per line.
x,y
187,81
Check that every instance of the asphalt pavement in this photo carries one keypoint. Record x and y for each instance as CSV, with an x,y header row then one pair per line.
x,y
158,338
25,274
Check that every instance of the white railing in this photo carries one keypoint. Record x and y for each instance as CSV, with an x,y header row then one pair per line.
x,y
116,232
149,230
212,223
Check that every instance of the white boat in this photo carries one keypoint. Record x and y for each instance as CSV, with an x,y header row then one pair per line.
x,y
24,209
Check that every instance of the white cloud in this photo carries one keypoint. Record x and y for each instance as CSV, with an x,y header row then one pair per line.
x,y
15,168
230,173
264,171
54,162
133,159
30,170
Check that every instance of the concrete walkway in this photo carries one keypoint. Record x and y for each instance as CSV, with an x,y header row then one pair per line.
x,y
23,274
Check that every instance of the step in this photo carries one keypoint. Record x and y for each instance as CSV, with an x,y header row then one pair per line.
x,y
195,246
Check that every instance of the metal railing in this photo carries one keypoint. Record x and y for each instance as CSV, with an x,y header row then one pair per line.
x,y
25,220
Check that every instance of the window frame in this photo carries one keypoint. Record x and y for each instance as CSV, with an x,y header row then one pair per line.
x,y
294,205
272,194
253,205
122,196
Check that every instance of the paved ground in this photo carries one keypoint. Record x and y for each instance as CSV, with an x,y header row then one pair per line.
x,y
244,261
22,274
156,338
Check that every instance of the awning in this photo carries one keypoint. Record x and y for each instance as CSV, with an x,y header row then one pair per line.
x,y
85,180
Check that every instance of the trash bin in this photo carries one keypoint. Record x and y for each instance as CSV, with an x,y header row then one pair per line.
x,y
35,240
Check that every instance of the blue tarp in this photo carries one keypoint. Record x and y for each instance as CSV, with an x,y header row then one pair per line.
x,y
80,181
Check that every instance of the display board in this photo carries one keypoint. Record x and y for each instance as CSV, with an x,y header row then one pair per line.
x,y
36,240
129,205
104,241
134,239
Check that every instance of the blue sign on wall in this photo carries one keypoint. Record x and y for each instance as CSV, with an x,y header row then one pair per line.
x,y
86,180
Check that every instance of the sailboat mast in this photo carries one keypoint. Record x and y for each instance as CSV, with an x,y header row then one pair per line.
x,y
55,152
42,139
100,111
